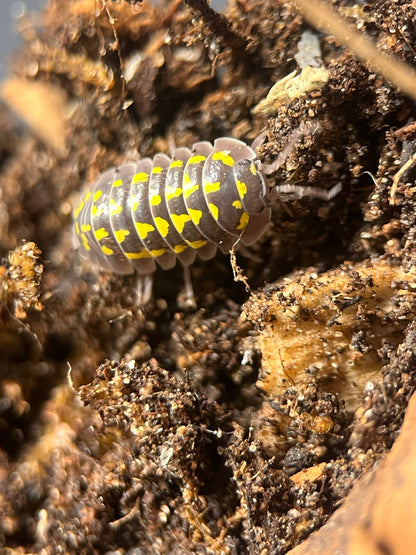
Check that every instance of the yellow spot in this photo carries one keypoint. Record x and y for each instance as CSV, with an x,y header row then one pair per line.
x,y
180,248
121,234
214,210
179,221
144,229
187,185
224,157
211,187
96,212
157,252
187,180
141,177
81,204
197,244
162,226
85,243
176,164
189,190
107,251
196,159
77,228
135,204
155,200
242,188
115,208
237,204
196,215
118,183
253,169
243,220
100,233
97,195
78,209
85,227
137,255
172,192
157,169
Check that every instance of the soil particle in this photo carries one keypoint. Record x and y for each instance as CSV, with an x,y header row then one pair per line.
x,y
225,429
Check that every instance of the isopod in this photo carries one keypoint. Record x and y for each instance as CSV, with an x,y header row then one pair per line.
x,y
163,209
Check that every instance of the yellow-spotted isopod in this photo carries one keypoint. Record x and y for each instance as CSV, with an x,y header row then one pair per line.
x,y
161,210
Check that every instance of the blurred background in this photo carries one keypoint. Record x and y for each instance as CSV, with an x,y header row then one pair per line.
x,y
10,11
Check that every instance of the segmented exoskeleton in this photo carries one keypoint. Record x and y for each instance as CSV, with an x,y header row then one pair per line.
x,y
160,210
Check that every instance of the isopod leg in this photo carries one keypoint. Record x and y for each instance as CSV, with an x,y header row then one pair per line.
x,y
144,289
300,191
186,298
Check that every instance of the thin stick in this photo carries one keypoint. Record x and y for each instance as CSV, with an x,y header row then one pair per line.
x,y
397,177
396,72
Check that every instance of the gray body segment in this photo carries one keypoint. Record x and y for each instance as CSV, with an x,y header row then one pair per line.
x,y
161,210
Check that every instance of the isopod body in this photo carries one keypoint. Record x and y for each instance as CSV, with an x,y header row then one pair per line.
x,y
160,210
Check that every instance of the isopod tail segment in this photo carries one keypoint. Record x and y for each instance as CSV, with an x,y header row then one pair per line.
x,y
161,210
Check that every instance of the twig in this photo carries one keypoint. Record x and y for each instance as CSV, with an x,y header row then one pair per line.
x,y
397,177
396,72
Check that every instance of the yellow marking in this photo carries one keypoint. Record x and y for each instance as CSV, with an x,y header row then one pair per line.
x,y
197,244
180,248
213,209
242,189
85,243
141,177
179,221
96,212
172,192
115,207
157,169
121,234
85,227
196,159
78,209
237,204
97,195
107,251
76,228
253,169
157,252
118,183
189,190
144,229
82,204
155,200
196,215
224,156
243,220
176,164
162,226
137,255
211,187
135,205
100,233
187,180
189,186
